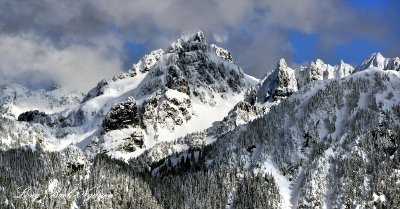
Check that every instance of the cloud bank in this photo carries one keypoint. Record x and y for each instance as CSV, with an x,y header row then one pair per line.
x,y
78,42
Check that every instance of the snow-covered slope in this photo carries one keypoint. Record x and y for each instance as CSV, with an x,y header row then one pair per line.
x,y
317,142
16,99
36,106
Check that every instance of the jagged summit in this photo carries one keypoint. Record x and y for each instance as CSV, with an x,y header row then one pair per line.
x,y
192,36
343,69
279,84
377,60
188,42
189,51
282,64
284,81
374,60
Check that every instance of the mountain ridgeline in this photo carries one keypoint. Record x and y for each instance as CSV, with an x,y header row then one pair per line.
x,y
187,128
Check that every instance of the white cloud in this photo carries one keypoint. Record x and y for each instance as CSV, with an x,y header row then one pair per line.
x,y
77,66
221,37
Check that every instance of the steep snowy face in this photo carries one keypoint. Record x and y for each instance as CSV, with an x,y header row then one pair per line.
x,y
7,96
380,62
141,68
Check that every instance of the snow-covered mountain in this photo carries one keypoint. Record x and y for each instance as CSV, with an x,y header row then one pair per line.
x,y
325,139
380,62
187,128
164,96
284,81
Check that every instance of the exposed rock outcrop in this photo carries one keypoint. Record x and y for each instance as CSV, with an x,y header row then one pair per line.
x,y
223,53
169,110
122,115
34,116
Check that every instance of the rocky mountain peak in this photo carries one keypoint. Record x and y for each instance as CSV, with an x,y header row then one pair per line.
x,y
279,84
377,60
374,60
341,63
316,70
162,96
378,57
196,36
189,42
193,67
284,81
318,62
281,64
394,64
342,69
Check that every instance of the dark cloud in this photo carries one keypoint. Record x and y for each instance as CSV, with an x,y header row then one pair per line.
x,y
52,19
93,32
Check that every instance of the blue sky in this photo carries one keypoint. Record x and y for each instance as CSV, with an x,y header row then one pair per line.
x,y
98,39
357,48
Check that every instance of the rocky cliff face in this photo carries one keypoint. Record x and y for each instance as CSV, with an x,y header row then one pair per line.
x,y
122,115
169,110
33,116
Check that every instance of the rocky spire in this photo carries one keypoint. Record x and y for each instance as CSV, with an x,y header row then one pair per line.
x,y
279,84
